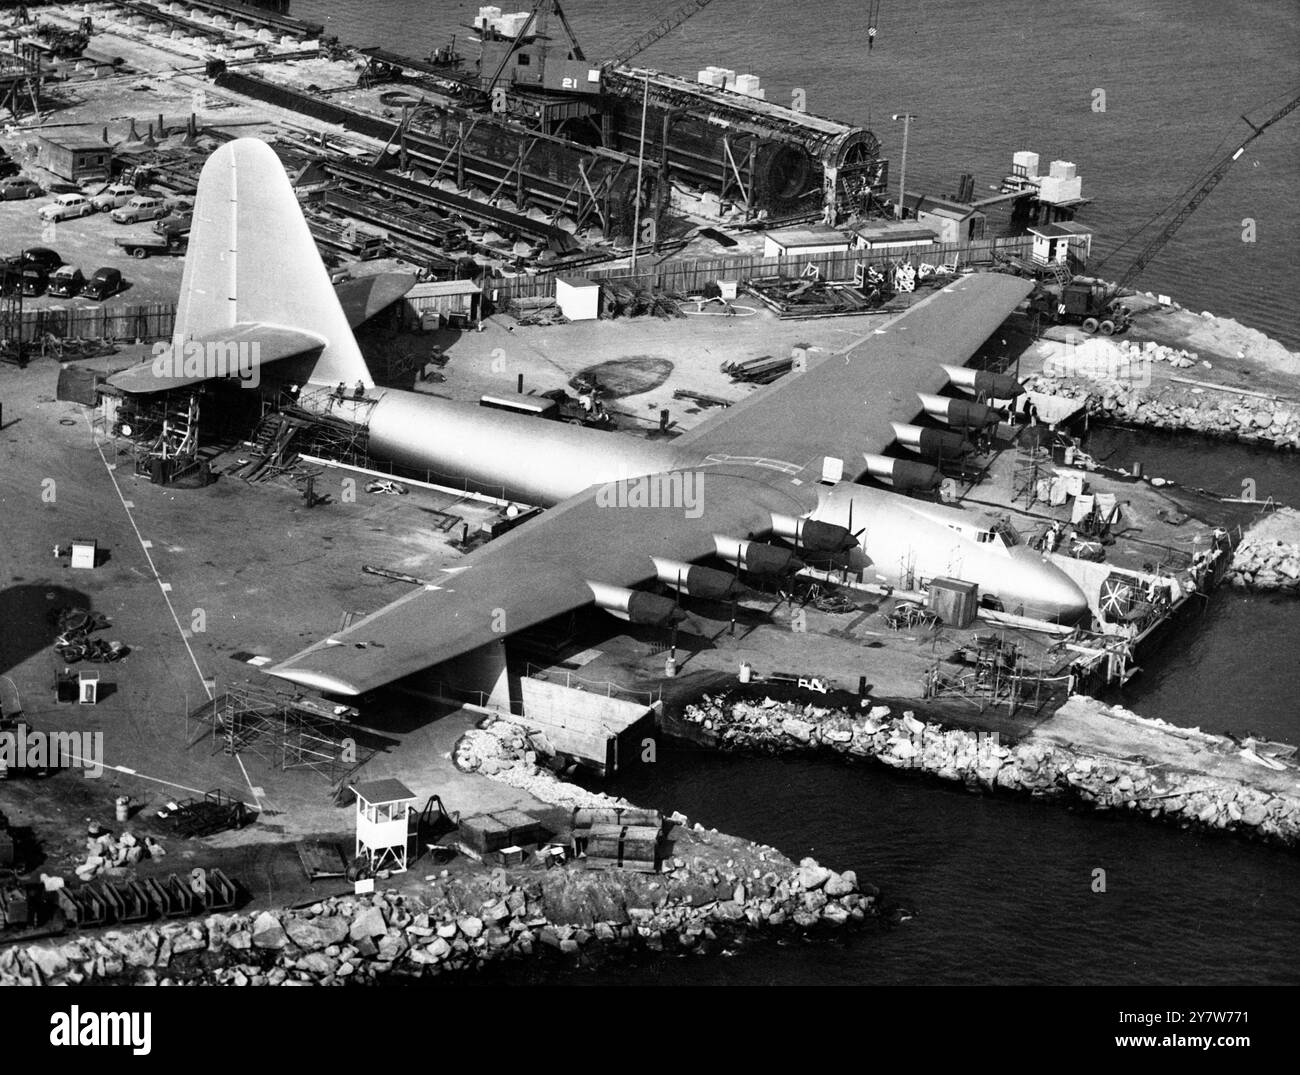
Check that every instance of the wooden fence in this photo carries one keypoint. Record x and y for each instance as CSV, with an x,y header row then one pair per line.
x,y
125,324
690,276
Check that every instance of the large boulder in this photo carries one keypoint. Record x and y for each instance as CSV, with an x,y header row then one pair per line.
x,y
48,961
812,875
841,884
267,931
369,923
798,729
313,934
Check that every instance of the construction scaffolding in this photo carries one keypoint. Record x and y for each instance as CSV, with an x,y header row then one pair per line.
x,y
992,673
20,79
287,731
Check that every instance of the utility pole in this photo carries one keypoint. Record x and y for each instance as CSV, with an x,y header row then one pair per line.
x,y
907,118
640,165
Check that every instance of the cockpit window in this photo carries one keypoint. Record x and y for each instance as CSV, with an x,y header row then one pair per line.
x,y
1008,533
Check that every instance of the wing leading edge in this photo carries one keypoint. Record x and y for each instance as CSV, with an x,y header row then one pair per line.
x,y
528,576
843,405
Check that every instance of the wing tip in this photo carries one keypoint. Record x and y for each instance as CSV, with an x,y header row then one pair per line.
x,y
320,681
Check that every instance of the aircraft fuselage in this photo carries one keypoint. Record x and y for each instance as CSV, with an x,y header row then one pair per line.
x,y
904,542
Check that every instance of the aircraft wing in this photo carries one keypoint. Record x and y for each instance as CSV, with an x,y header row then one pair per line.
x,y
530,575
842,405
230,352
360,299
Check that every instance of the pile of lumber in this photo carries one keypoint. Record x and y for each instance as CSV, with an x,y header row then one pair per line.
x,y
762,370
791,297
632,301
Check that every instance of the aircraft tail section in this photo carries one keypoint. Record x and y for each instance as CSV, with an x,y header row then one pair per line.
x,y
252,260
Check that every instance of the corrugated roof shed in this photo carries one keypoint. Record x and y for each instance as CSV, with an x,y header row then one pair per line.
x,y
439,288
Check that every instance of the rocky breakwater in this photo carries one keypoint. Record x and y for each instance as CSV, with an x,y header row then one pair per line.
x,y
1115,380
715,891
711,890
1268,558
1070,763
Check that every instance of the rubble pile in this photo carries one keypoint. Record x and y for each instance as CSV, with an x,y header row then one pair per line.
x,y
981,760
714,891
523,759
1266,566
113,856
1176,407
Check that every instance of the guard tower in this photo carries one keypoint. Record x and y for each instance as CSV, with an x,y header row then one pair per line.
x,y
383,822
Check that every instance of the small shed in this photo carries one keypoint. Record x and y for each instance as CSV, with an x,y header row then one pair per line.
x,y
953,222
383,822
439,302
85,552
77,158
577,297
1053,243
880,233
803,242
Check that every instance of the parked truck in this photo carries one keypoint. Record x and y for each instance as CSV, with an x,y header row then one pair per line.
x,y
1093,306
142,246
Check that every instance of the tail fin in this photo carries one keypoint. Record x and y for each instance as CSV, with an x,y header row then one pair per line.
x,y
252,259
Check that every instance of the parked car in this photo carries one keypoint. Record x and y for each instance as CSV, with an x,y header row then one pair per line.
x,y
43,256
141,207
67,207
35,279
66,281
19,187
106,281
174,226
111,197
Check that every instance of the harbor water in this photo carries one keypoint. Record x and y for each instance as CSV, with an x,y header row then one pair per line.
x,y
986,80
1002,886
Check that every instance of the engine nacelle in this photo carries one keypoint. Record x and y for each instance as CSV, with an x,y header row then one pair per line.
x,y
813,535
697,581
958,413
932,443
636,606
756,556
902,473
985,383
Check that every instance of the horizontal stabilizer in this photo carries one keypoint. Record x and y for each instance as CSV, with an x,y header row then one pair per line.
x,y
366,296
236,352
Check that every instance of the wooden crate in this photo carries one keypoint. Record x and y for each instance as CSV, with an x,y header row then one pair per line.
x,y
627,847
485,833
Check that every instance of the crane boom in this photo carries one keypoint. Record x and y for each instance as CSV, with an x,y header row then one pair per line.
x,y
662,28
1202,192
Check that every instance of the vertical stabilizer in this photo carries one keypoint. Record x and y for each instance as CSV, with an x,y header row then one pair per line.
x,y
252,259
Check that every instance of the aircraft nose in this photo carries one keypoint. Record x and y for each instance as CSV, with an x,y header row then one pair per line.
x,y
1062,593
1055,596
